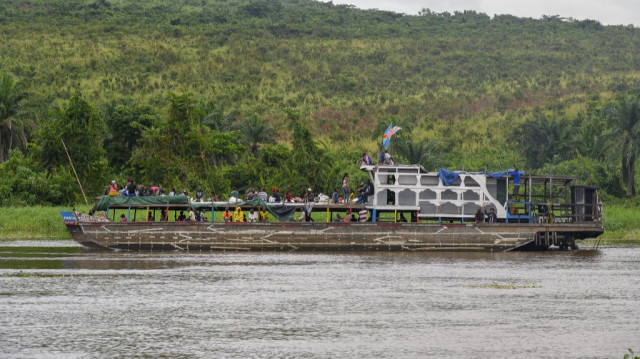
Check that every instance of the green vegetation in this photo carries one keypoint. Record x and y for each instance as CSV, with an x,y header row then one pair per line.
x,y
631,355
288,93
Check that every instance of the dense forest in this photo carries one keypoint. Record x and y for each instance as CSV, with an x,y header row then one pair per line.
x,y
289,93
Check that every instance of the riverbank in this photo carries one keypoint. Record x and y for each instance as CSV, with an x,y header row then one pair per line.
x,y
621,224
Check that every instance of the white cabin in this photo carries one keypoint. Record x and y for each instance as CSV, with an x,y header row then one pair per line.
x,y
412,188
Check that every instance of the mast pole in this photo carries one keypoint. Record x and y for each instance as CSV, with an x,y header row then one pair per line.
x,y
75,173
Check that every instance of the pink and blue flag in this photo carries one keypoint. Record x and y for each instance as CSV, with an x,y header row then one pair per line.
x,y
386,138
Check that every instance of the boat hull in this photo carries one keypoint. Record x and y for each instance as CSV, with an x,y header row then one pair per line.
x,y
326,236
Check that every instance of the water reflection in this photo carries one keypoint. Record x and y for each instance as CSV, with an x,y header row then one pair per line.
x,y
57,299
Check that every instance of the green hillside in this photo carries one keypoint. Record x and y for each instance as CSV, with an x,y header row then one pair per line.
x,y
181,92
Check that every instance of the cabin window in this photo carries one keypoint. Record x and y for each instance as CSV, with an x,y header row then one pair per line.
x,y
470,196
470,209
407,180
427,208
407,198
431,181
428,194
450,195
470,182
449,208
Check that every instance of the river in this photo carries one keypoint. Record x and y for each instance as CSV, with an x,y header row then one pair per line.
x,y
58,300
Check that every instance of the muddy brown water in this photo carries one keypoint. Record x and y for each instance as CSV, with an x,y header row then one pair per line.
x,y
58,300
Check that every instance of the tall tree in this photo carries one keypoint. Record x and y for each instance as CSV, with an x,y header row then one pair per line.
x,y
542,138
82,128
623,140
12,126
126,123
256,131
423,152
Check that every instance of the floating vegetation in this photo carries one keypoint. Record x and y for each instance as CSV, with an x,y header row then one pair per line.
x,y
496,285
630,355
22,274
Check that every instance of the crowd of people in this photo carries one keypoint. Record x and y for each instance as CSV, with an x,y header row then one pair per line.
x,y
345,196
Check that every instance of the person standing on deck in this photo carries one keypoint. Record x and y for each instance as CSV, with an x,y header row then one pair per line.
x,y
516,183
309,201
479,216
345,187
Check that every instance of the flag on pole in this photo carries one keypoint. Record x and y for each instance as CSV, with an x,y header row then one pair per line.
x,y
391,130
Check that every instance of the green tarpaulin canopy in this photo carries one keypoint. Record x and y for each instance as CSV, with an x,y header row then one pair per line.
x,y
281,212
138,201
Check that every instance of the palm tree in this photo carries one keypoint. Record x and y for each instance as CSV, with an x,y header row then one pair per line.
x,y
256,131
422,152
542,138
624,138
12,128
216,119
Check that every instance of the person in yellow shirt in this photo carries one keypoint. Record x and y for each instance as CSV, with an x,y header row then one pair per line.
x,y
238,215
264,215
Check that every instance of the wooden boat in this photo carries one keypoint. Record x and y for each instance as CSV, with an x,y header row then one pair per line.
x,y
552,211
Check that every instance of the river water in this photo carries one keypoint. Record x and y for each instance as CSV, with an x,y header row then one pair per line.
x,y
58,300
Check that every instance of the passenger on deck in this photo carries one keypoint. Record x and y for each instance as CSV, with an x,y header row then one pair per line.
x,y
345,186
352,196
366,192
214,197
123,218
199,194
151,218
131,187
173,192
382,157
163,215
264,215
234,193
516,183
335,197
192,215
227,215
366,160
182,217
253,216
287,196
491,217
113,189
142,190
276,195
238,215
388,160
479,216
309,201
198,216
262,194
249,194
161,191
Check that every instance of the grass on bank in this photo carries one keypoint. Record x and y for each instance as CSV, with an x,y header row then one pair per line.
x,y
621,222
